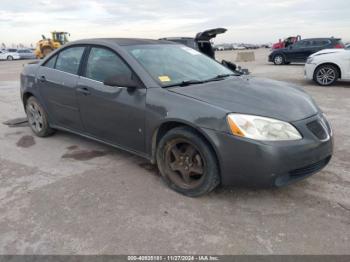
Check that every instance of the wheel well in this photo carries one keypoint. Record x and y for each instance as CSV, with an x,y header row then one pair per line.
x,y
166,127
26,97
332,64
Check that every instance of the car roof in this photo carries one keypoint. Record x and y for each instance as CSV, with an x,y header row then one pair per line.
x,y
176,38
321,38
123,41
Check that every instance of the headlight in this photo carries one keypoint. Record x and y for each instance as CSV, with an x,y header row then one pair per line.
x,y
261,128
309,60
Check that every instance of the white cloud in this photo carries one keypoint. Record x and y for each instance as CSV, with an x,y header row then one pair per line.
x,y
247,21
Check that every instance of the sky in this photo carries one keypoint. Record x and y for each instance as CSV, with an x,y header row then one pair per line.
x,y
248,21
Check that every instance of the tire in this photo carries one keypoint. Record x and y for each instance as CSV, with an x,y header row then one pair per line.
x,y
37,118
187,163
278,60
10,58
326,75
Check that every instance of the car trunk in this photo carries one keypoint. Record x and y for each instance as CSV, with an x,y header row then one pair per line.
x,y
203,40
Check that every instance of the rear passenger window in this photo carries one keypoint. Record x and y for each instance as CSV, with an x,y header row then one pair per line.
x,y
320,42
51,62
103,64
69,59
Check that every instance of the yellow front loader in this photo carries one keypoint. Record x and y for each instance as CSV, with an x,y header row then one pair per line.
x,y
47,45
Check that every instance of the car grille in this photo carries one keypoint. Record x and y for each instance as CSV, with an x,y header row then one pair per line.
x,y
318,129
310,168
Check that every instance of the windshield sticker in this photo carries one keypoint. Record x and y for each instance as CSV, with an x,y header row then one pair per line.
x,y
164,78
190,50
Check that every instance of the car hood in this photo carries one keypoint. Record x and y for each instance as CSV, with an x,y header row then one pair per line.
x,y
256,96
328,51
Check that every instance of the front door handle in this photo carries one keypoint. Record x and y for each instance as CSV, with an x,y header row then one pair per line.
x,y
84,90
42,79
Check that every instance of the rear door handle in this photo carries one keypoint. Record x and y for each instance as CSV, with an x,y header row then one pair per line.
x,y
83,90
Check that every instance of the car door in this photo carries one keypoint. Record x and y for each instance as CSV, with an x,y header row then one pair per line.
x,y
113,114
299,51
57,80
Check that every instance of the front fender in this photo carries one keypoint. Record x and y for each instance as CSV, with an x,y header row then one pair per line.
x,y
164,106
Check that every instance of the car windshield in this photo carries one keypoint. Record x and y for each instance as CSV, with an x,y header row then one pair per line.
x,y
177,64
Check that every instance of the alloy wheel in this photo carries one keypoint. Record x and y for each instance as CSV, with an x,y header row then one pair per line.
x,y
278,60
184,163
35,117
326,76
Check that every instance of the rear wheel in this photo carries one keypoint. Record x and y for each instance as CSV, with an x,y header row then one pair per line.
x,y
37,118
278,60
186,162
326,75
10,58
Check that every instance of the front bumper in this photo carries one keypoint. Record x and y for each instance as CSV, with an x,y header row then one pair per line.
x,y
309,70
270,59
247,162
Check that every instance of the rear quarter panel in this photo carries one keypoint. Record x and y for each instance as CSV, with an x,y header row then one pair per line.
x,y
28,81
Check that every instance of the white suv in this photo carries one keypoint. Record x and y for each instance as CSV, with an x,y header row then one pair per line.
x,y
327,66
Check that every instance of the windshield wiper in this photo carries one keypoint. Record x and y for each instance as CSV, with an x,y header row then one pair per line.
x,y
186,83
219,77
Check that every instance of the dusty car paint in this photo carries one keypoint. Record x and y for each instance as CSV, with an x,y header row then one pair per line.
x,y
147,112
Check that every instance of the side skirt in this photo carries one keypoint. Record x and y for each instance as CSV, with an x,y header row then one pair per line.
x,y
143,155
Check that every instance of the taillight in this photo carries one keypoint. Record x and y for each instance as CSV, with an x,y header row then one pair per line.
x,y
339,46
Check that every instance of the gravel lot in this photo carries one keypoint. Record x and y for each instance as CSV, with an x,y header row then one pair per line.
x,y
68,195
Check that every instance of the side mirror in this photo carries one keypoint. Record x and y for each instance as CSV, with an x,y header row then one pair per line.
x,y
122,81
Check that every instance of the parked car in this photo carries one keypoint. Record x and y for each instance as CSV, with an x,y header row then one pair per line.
x,y
201,42
8,55
327,66
202,124
250,46
219,48
302,49
26,54
238,47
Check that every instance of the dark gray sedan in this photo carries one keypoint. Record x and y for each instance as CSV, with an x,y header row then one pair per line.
x,y
176,107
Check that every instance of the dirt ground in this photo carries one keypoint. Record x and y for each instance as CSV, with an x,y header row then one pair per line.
x,y
68,195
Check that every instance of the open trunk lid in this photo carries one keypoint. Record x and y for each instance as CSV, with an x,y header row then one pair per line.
x,y
209,34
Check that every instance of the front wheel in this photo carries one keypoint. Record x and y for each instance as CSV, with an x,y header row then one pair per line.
x,y
37,118
326,75
187,163
278,60
10,58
